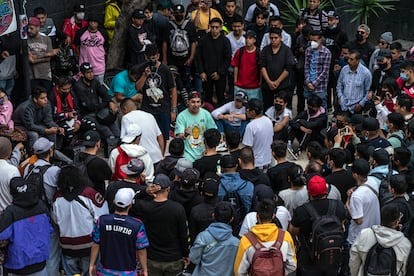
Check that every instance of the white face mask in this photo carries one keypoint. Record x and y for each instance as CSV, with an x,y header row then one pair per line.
x,y
314,44
80,15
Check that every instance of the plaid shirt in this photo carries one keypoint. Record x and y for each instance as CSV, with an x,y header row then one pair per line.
x,y
322,68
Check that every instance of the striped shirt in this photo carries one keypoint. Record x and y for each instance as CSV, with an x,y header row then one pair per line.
x,y
323,62
353,86
318,21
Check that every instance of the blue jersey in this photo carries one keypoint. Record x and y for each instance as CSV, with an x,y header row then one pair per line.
x,y
119,236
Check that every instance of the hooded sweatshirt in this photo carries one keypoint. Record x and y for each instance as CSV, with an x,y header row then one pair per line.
x,y
187,198
133,151
26,225
266,234
214,250
386,237
232,182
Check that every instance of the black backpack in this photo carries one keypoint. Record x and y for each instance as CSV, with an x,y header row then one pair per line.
x,y
35,177
327,235
236,202
82,165
384,194
380,260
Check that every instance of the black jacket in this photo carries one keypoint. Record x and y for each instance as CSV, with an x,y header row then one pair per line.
x,y
213,55
90,98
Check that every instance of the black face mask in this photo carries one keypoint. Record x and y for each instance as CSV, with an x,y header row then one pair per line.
x,y
359,37
278,107
311,111
178,17
340,125
64,95
152,63
382,66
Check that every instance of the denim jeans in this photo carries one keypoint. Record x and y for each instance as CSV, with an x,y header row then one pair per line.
x,y
8,86
75,265
224,125
52,265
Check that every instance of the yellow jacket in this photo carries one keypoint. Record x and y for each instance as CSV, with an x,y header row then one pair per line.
x,y
267,234
202,22
112,11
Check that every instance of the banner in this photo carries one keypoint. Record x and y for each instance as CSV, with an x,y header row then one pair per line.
x,y
7,17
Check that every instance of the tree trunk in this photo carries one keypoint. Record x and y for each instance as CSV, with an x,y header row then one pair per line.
x,y
116,53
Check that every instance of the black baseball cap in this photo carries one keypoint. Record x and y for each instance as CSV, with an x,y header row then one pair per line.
x,y
90,138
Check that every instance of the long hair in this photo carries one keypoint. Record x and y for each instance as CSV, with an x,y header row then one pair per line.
x,y
70,182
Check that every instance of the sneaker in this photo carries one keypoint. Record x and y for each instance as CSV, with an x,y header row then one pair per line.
x,y
221,147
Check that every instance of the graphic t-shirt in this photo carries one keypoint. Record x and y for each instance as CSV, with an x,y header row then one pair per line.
x,y
199,123
92,50
156,90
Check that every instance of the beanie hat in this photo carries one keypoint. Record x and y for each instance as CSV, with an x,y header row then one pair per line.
x,y
387,37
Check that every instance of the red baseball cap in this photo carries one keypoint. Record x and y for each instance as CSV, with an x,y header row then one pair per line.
x,y
317,186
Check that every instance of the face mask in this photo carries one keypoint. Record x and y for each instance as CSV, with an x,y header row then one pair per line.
x,y
386,128
152,62
278,107
64,95
179,17
314,44
340,125
333,27
404,76
382,66
80,15
359,37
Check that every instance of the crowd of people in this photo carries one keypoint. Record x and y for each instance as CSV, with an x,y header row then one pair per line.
x,y
200,134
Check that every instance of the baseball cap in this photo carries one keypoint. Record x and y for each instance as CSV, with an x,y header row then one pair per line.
x,y
228,161
317,186
181,165
263,191
85,66
34,21
365,28
124,197
256,105
333,14
134,166
383,53
178,8
241,96
190,177
210,185
90,138
329,133
138,13
42,145
194,94
162,180
131,133
370,124
79,8
251,33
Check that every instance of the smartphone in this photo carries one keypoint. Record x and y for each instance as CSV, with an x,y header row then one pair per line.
x,y
344,131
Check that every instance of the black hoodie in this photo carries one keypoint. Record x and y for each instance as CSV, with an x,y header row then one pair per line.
x,y
255,176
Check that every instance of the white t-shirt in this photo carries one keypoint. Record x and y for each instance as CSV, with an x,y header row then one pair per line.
x,y
150,132
236,43
250,220
294,198
271,113
259,136
229,108
363,204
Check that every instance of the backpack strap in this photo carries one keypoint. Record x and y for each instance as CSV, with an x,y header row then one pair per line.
x,y
311,211
173,24
184,24
331,208
81,202
253,240
372,189
279,240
